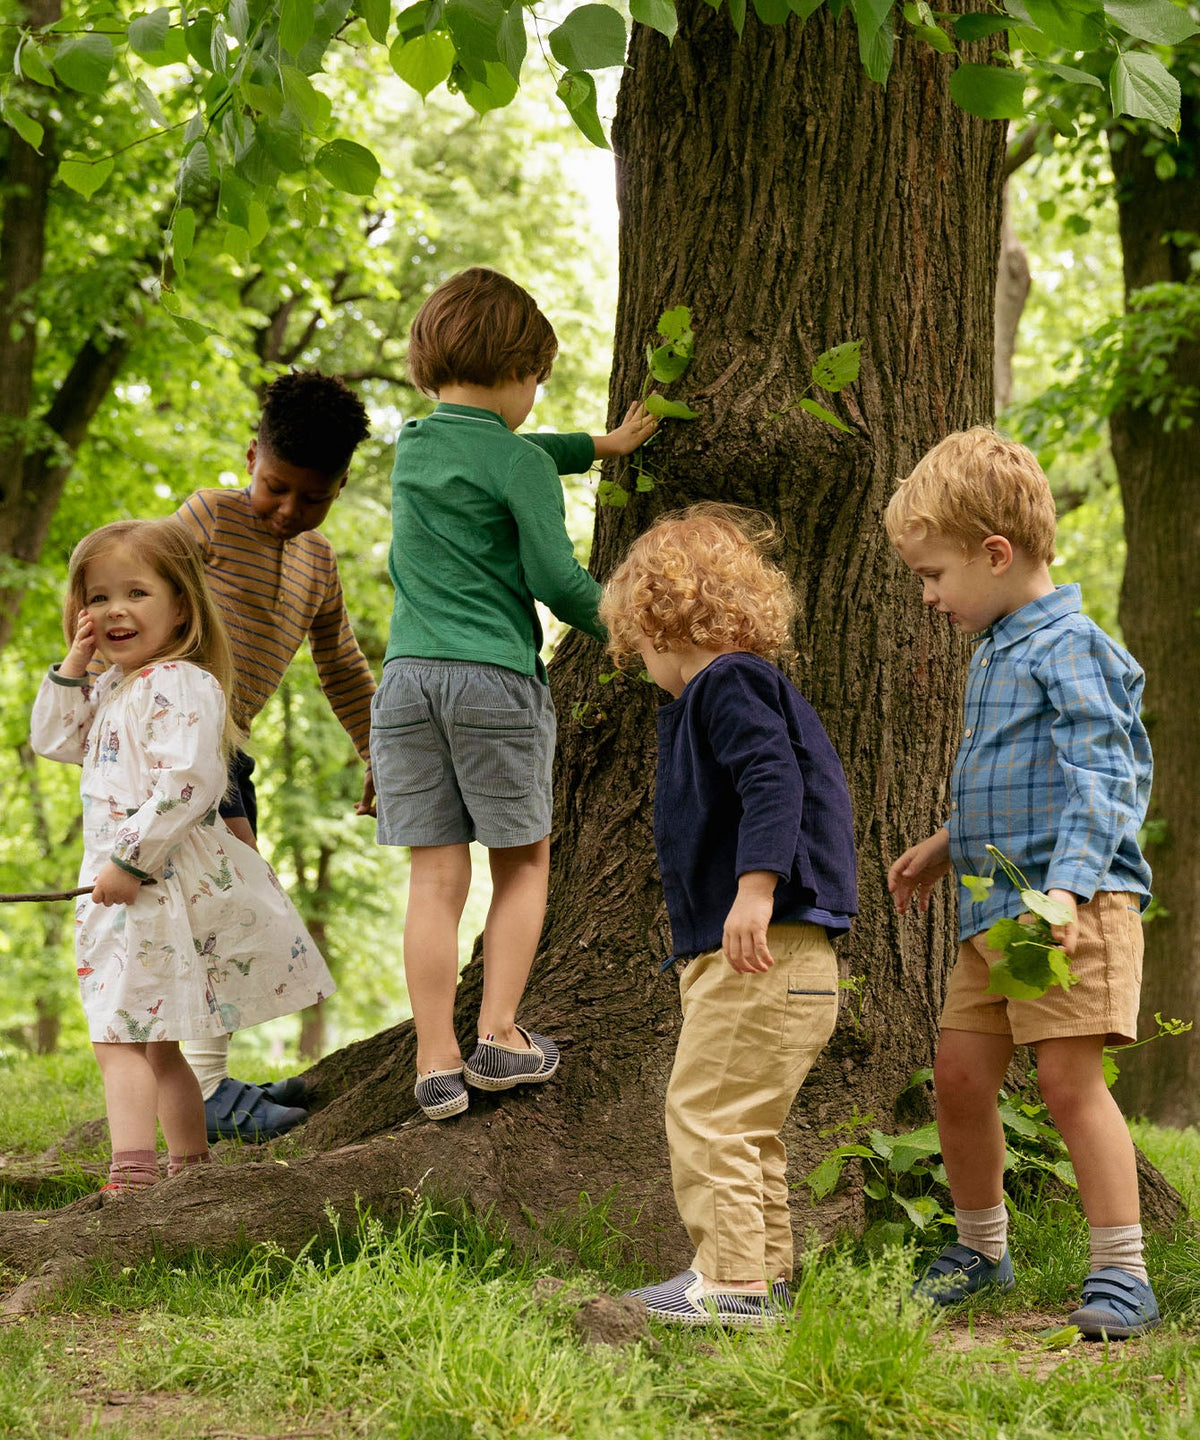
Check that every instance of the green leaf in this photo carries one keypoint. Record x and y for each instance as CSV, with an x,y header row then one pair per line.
x,y
978,886
196,173
280,142
236,242
148,102
676,325
805,8
988,91
1110,1068
1012,1119
1158,21
183,233
307,207
590,38
493,91
773,12
608,492
348,166
875,1190
822,414
378,15
83,176
921,1211
148,33
25,125
475,26
296,22
258,222
263,98
1058,1337
218,51
824,1178
511,40
33,67
666,364
660,15
979,27
1072,25
198,35
424,62
1053,912
193,329
936,38
304,97
237,20
577,91
1144,88
670,409
737,15
83,62
1076,77
835,369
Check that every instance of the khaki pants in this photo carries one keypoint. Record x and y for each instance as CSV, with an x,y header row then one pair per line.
x,y
746,1045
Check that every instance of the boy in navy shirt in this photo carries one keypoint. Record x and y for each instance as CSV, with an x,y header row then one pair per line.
x,y
755,844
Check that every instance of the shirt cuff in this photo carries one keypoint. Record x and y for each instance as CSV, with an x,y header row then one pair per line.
x,y
129,869
74,682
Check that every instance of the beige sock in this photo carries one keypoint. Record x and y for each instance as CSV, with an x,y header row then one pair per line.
x,y
209,1059
1119,1246
984,1230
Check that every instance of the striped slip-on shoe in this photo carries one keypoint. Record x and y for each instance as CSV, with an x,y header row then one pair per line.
x,y
441,1093
499,1067
682,1301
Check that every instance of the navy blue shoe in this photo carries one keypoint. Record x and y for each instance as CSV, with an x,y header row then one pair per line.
x,y
682,1301
959,1272
499,1067
1116,1306
237,1110
291,1093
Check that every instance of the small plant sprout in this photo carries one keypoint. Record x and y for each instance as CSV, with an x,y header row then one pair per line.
x,y
832,370
1031,962
666,362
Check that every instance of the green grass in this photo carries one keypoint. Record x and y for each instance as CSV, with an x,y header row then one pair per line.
x,y
438,1330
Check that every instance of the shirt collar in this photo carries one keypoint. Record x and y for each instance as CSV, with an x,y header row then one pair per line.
x,y
1063,600
469,412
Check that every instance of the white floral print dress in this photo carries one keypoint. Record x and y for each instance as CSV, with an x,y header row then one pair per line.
x,y
214,944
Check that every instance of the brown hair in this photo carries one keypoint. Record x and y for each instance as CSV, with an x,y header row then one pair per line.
x,y
973,484
479,328
172,553
700,576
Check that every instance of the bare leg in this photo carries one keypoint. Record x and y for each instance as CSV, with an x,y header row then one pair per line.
x,y
130,1095
439,878
967,1076
180,1106
520,879
1071,1078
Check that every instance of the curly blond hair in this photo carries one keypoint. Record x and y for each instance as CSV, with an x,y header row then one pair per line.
x,y
973,484
700,576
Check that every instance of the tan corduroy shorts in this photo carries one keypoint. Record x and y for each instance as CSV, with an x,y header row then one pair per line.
x,y
1107,959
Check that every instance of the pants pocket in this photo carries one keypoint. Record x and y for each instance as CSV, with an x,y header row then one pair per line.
x,y
809,1017
495,751
406,751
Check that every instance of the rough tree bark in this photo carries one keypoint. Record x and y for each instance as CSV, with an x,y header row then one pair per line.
x,y
1160,619
793,205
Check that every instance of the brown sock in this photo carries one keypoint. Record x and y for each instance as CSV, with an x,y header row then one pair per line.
x,y
176,1163
132,1170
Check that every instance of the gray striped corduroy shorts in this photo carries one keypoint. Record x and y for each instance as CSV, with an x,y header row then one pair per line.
x,y
461,751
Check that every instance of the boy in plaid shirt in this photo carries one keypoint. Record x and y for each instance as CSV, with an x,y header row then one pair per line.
x,y
1054,771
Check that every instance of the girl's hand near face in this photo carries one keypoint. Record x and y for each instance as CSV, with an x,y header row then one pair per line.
x,y
83,647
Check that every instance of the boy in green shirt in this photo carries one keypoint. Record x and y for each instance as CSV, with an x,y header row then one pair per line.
x,y
462,726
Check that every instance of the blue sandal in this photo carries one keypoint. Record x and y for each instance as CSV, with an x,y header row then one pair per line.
x,y
1116,1306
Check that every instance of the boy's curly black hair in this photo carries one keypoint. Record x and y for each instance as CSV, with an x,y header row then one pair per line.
x,y
314,421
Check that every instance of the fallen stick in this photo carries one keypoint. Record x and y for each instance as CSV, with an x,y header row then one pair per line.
x,y
54,894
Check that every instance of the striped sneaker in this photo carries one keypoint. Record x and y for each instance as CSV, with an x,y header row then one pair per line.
x,y
682,1301
499,1067
441,1093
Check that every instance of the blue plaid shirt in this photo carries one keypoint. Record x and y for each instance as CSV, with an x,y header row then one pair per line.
x,y
1054,765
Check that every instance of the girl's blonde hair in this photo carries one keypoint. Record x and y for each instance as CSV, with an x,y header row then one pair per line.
x,y
701,576
170,551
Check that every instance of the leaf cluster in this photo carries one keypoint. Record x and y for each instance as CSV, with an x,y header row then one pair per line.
x,y
1031,962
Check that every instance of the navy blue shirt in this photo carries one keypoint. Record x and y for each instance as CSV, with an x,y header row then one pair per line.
x,y
747,779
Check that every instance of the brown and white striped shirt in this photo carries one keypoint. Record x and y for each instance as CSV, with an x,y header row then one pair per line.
x,y
272,593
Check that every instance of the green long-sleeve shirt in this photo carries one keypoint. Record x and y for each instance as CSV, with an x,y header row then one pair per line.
x,y
478,533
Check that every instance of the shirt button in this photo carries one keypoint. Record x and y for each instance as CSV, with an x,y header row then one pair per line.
x,y
954,804
967,734
983,663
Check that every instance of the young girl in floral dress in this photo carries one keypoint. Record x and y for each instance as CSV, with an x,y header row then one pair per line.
x,y
213,944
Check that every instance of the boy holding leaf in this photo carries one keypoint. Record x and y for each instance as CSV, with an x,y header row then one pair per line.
x,y
1053,772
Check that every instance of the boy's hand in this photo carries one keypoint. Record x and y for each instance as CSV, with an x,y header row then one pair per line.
x,y
920,868
115,886
744,941
83,647
366,806
1066,935
636,428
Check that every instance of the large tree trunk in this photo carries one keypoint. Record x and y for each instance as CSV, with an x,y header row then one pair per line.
x,y
1160,618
